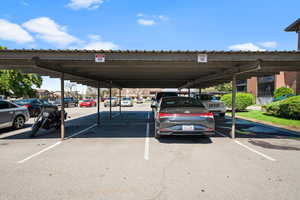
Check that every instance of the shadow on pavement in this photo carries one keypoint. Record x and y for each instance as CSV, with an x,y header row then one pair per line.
x,y
248,129
185,140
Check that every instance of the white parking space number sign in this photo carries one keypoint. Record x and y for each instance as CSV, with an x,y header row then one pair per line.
x,y
100,58
202,58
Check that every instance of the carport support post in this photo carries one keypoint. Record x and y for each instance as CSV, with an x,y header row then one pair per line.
x,y
120,96
233,108
110,117
62,93
98,103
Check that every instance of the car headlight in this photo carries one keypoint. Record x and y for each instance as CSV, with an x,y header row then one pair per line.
x,y
46,114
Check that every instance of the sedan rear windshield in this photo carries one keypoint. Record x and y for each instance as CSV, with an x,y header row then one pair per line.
x,y
24,101
165,94
180,102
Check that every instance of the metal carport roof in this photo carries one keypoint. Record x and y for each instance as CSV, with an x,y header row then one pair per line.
x,y
150,69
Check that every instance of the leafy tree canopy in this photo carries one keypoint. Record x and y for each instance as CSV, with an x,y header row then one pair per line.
x,y
15,83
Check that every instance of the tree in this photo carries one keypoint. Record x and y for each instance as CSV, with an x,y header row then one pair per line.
x,y
15,83
224,87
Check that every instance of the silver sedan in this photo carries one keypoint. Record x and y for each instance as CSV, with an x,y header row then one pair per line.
x,y
183,116
12,115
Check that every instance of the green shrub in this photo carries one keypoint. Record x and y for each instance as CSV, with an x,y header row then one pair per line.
x,y
243,100
272,108
282,91
290,108
287,108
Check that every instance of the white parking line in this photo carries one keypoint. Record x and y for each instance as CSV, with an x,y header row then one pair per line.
x,y
82,131
254,151
249,148
54,145
40,152
146,152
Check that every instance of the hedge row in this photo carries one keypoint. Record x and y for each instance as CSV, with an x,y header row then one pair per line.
x,y
243,100
288,108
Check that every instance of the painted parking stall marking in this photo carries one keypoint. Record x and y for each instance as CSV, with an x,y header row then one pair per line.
x,y
54,145
147,139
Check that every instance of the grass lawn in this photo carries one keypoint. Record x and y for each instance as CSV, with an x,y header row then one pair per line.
x,y
258,115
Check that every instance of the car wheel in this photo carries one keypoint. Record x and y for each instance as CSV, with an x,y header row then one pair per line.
x,y
19,122
156,132
222,114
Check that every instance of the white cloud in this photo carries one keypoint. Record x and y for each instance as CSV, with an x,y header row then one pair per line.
x,y
84,4
245,47
13,32
270,44
146,22
163,17
48,30
96,43
94,37
100,45
150,20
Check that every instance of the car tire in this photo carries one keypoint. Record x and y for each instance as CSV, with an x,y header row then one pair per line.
x,y
222,114
19,122
156,132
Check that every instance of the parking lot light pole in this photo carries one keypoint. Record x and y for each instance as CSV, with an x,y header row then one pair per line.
x,y
120,96
62,93
110,116
98,103
233,108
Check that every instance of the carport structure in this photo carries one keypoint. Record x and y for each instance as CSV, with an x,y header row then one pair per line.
x,y
150,69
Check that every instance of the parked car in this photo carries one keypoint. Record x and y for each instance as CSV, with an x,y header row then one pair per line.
x,y
34,105
67,101
183,116
139,100
114,102
12,115
160,95
126,102
213,104
283,97
87,103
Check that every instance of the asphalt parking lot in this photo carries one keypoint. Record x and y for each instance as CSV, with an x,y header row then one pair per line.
x,y
121,159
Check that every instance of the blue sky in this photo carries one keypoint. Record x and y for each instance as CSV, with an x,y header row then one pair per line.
x,y
141,24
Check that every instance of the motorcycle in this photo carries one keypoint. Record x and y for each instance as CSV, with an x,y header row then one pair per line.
x,y
47,119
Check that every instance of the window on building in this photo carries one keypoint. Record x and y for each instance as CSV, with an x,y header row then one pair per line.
x,y
241,85
265,86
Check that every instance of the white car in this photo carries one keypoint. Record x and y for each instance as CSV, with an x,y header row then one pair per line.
x,y
213,105
126,102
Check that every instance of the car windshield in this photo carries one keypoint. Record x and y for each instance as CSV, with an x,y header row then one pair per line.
x,y
206,97
87,100
180,102
24,101
165,94
126,99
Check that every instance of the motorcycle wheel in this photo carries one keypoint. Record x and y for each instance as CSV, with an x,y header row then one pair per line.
x,y
35,128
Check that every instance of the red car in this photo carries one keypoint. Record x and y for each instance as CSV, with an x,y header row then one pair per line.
x,y
88,103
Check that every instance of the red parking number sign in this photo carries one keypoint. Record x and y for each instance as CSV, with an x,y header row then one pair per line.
x,y
99,58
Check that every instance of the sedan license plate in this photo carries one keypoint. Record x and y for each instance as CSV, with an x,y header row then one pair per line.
x,y
187,127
